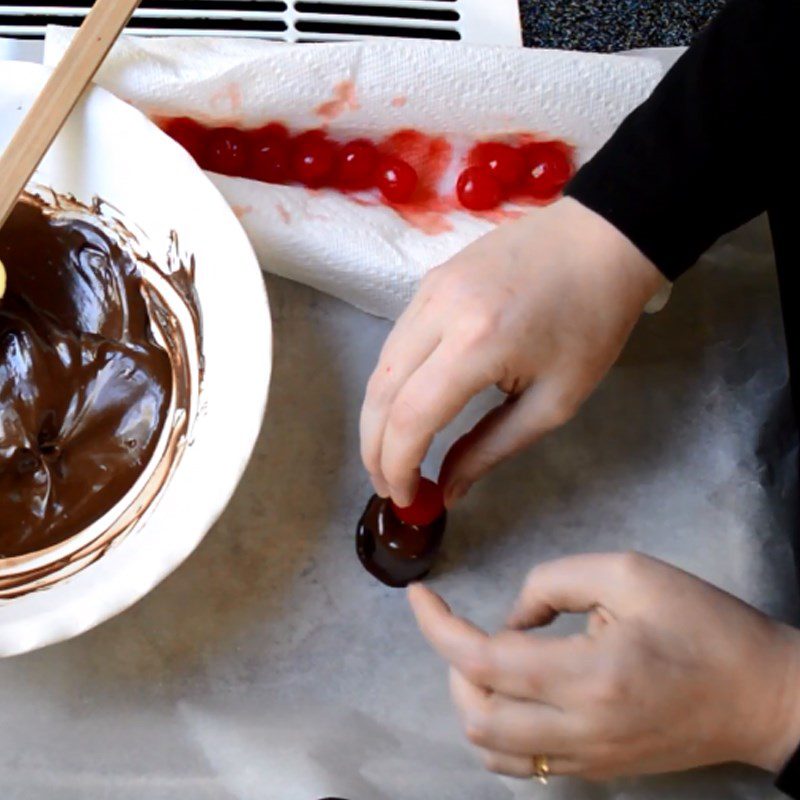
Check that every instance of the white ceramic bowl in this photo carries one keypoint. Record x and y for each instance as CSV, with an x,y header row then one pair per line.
x,y
109,150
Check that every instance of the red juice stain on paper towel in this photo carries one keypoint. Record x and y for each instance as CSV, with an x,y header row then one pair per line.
x,y
241,211
344,99
228,100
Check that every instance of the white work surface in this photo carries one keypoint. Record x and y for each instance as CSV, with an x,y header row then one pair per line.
x,y
271,667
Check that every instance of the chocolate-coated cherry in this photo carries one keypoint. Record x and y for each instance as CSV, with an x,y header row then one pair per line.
x,y
269,154
399,545
478,189
397,180
356,165
313,159
548,170
226,152
506,163
189,134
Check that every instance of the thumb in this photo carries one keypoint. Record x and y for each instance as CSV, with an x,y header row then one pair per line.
x,y
575,585
502,433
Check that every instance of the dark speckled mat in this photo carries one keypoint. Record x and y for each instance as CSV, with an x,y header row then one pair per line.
x,y
609,25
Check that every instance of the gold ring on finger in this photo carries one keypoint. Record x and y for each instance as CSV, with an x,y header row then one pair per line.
x,y
541,769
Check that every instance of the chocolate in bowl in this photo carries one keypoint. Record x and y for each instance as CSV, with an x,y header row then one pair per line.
x,y
100,361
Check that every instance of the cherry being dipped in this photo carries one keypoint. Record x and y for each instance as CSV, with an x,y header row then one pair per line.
x,y
399,545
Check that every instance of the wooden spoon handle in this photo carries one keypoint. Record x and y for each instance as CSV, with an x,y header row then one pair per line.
x,y
47,115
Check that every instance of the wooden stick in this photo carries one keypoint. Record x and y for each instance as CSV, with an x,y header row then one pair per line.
x,y
52,107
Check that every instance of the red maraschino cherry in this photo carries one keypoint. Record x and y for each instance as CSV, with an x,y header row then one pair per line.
x,y
313,159
506,163
397,180
188,134
548,170
226,152
478,190
427,507
269,153
357,165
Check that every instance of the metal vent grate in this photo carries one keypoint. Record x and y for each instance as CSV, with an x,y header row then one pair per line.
x,y
476,21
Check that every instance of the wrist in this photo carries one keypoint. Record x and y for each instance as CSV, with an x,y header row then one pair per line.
x,y
775,702
617,255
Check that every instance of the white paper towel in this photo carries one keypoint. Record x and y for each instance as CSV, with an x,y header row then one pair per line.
x,y
369,256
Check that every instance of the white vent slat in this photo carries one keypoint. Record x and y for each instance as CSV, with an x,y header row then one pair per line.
x,y
475,21
38,31
389,23
152,13
389,5
393,10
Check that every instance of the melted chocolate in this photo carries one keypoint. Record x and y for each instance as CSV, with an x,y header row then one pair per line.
x,y
396,553
84,388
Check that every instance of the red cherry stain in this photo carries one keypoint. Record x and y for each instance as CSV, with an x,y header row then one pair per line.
x,y
427,506
226,152
427,220
344,99
241,211
498,215
430,156
228,100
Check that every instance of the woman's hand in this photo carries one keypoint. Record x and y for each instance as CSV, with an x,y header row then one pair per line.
x,y
671,674
541,307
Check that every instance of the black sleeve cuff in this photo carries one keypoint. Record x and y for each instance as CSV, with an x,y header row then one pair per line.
x,y
703,154
788,781
602,187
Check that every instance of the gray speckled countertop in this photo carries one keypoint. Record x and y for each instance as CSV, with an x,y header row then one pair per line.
x,y
610,25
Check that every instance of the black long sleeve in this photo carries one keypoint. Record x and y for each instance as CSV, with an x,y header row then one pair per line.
x,y
708,150
713,147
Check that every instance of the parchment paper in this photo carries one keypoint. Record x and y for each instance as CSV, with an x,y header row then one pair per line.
x,y
271,667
